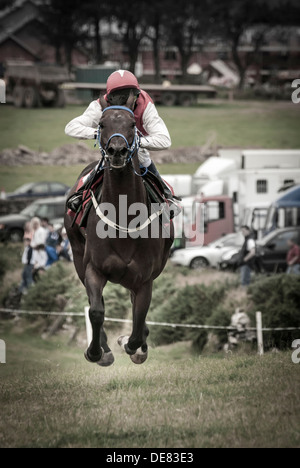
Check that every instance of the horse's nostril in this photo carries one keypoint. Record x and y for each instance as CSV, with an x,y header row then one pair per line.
x,y
123,152
111,151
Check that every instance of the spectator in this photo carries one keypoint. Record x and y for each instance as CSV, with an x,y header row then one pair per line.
x,y
39,233
240,322
28,262
28,233
293,257
64,249
247,256
40,259
45,224
53,237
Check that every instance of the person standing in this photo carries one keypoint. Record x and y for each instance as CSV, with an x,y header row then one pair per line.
x,y
293,257
28,262
39,234
247,255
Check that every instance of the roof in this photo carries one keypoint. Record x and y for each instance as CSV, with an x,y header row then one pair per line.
x,y
290,197
15,18
214,166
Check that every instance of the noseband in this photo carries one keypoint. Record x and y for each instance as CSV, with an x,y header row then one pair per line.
x,y
130,148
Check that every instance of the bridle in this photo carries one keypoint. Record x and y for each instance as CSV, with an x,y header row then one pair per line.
x,y
134,147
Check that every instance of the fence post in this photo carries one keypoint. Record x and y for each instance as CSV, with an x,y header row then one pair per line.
x,y
259,334
88,325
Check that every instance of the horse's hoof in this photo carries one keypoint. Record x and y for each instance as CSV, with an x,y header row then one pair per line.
x,y
139,357
94,358
106,360
122,341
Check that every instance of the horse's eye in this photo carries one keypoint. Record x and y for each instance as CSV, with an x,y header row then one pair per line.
x,y
101,126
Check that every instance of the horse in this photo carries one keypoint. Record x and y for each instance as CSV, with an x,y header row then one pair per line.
x,y
131,261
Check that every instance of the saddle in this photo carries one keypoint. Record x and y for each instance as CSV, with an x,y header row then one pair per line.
x,y
153,186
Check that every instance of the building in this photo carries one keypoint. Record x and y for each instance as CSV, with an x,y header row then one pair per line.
x,y
23,37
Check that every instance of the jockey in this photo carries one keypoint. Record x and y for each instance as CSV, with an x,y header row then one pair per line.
x,y
120,85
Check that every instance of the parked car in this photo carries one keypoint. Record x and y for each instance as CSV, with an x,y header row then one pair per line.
x,y
12,226
230,259
210,255
271,251
35,190
273,248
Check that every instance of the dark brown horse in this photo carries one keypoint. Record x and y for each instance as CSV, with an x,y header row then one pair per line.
x,y
133,261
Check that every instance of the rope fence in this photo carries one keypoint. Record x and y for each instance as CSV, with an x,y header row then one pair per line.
x,y
163,324
258,329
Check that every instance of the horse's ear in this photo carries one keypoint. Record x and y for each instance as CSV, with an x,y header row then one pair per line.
x,y
103,102
131,101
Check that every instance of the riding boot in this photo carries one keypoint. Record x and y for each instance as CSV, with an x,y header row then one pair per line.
x,y
174,206
75,201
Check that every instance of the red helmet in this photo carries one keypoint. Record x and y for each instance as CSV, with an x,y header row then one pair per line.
x,y
121,79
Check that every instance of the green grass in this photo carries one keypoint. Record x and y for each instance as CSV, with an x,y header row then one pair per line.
x,y
256,124
240,123
13,177
51,397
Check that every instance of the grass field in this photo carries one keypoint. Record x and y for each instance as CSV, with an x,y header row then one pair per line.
x,y
51,397
241,123
13,177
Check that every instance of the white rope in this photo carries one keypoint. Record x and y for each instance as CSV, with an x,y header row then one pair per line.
x,y
163,324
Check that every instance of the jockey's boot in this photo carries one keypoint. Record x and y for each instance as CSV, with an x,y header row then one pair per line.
x,y
174,206
74,203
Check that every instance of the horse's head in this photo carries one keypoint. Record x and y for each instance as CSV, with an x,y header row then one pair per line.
x,y
118,135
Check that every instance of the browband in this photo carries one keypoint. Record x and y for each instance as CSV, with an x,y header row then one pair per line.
x,y
118,107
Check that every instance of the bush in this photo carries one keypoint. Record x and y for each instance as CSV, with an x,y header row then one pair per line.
x,y
59,289
46,294
278,299
189,305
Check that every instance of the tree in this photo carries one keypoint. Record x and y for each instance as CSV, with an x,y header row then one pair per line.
x,y
93,11
155,32
132,19
65,26
232,18
187,24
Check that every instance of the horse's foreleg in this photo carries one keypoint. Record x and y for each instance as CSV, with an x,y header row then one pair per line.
x,y
94,285
136,344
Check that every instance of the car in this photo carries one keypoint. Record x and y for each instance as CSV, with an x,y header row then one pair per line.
x,y
36,190
210,255
12,226
271,251
230,259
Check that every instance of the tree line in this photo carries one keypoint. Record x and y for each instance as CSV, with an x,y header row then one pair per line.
x,y
187,25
